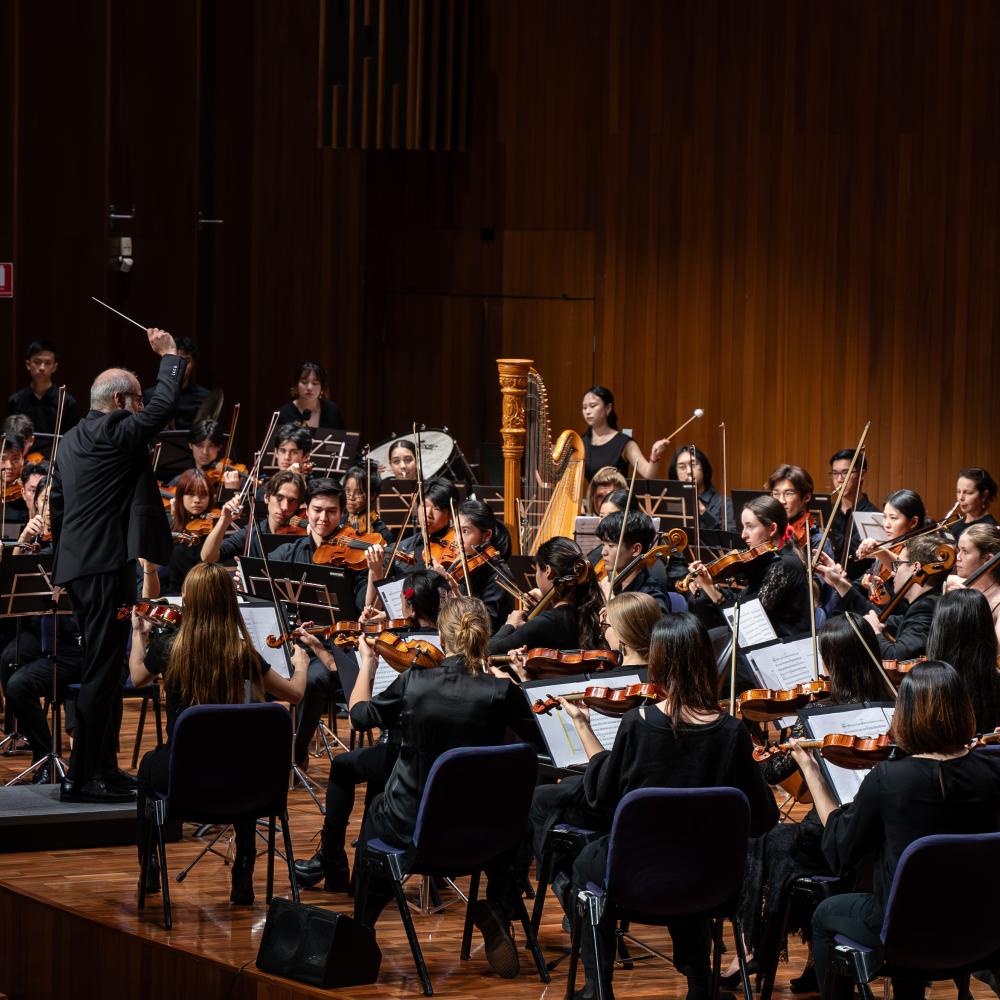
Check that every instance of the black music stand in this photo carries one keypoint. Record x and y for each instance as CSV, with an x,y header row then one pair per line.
x,y
331,453
395,502
175,455
675,503
26,591
492,496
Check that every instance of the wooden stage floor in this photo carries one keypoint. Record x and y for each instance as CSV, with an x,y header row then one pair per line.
x,y
69,928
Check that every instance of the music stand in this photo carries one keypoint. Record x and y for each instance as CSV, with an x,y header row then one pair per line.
x,y
394,503
43,443
26,591
819,505
175,455
492,496
674,502
331,452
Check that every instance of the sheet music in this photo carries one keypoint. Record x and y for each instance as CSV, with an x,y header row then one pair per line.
x,y
391,592
385,674
782,665
557,727
864,722
870,524
755,626
261,621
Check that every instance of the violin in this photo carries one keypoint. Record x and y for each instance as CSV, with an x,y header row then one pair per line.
x,y
33,458
444,550
349,547
160,615
729,565
200,526
12,492
343,633
215,473
579,574
802,529
184,538
542,663
614,702
765,705
457,569
677,541
855,753
878,593
401,654
898,669
944,559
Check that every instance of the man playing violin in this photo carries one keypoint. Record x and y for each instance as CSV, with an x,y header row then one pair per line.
x,y
205,440
283,494
639,537
11,464
853,500
903,636
324,508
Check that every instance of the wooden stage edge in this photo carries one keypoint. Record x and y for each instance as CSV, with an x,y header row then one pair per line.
x,y
69,927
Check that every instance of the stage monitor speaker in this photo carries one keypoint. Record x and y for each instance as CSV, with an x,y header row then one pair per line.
x,y
316,946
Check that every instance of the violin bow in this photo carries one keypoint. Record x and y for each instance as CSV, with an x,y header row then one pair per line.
x,y
890,545
878,663
255,471
849,532
839,492
613,575
368,489
725,480
982,571
395,547
812,603
461,548
56,435
692,458
232,432
420,492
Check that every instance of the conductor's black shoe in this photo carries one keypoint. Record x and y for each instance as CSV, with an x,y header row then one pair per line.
x,y
68,790
93,790
117,779
500,950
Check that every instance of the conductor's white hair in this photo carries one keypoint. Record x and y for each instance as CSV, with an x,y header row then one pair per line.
x,y
107,384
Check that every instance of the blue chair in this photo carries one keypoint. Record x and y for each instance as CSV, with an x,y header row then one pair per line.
x,y
474,808
208,783
677,602
941,919
676,855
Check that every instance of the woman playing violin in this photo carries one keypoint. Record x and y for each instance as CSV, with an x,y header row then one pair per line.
x,y
32,476
192,499
962,634
691,465
435,518
976,546
975,490
310,405
938,787
903,636
572,617
482,534
284,493
457,704
422,599
682,741
638,538
778,579
208,660
902,511
361,490
605,445
849,650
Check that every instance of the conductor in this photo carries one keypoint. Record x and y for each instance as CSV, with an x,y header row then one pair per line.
x,y
106,513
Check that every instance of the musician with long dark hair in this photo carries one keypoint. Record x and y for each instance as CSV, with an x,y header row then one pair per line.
x,y
572,617
605,445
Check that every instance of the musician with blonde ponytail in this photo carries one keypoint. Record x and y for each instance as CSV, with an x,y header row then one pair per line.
x,y
456,704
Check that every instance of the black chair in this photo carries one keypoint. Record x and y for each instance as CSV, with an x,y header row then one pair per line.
x,y
941,919
474,809
209,784
676,855
565,839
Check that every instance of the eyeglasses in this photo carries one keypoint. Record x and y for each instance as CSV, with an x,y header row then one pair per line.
x,y
839,473
134,395
354,494
604,626
896,563
784,494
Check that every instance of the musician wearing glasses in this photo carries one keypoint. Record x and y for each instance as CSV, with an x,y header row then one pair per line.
x,y
853,499
361,490
793,488
638,538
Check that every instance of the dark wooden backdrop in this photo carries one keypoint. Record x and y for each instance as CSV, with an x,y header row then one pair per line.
x,y
783,212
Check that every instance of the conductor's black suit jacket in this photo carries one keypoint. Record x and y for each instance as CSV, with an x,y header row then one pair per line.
x,y
105,503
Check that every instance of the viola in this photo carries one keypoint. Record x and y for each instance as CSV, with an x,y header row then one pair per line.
x,y
855,753
343,633
898,669
729,565
444,550
764,705
614,702
401,654
349,548
160,615
677,541
542,663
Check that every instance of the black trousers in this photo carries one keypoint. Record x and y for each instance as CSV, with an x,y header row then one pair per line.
x,y
32,683
97,600
348,770
692,941
321,685
858,916
22,649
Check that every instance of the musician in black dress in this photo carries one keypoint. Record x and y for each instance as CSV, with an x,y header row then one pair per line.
x,y
935,786
310,404
778,578
435,516
572,617
975,490
605,445
638,538
480,530
422,598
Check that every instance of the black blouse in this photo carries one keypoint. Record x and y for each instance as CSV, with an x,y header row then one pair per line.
x,y
910,629
330,416
437,709
780,584
610,453
902,800
553,628
648,753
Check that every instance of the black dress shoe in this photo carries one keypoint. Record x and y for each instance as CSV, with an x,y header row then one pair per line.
x,y
93,790
335,875
118,779
241,892
805,982
500,950
42,776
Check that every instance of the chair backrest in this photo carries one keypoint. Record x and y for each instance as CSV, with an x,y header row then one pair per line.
x,y
942,907
230,762
475,805
678,851
677,603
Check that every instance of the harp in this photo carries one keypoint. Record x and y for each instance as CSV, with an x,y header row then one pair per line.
x,y
542,498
